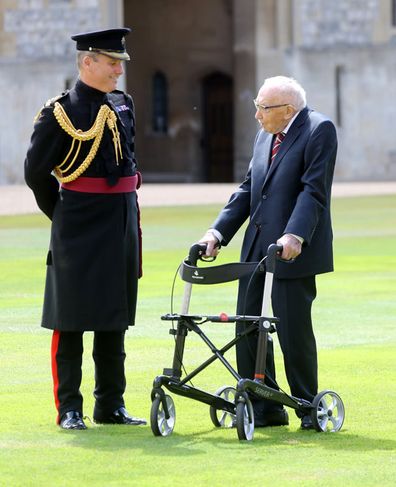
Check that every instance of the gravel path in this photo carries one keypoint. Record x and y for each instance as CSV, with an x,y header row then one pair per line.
x,y
18,199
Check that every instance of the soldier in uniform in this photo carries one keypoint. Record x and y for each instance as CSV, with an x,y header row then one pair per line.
x,y
82,170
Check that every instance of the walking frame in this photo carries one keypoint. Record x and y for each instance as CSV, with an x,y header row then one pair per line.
x,y
231,406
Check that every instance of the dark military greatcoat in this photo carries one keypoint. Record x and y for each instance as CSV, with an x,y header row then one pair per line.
x,y
93,259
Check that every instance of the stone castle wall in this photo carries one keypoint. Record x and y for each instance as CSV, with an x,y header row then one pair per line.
x,y
343,52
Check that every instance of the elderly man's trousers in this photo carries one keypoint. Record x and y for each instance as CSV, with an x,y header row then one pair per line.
x,y
292,303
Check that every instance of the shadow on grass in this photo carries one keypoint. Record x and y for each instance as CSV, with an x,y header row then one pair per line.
x,y
281,436
113,438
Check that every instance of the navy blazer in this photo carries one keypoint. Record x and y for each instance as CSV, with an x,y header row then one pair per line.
x,y
291,196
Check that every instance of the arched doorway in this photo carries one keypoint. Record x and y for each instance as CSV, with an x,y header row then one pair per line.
x,y
217,127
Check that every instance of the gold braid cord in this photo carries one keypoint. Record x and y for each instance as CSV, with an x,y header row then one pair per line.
x,y
105,115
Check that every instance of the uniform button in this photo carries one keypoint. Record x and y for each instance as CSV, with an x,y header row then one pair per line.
x,y
264,196
257,225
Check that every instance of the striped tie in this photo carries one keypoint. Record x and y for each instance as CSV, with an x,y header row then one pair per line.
x,y
278,140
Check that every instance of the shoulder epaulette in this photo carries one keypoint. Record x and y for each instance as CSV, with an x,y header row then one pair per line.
x,y
51,102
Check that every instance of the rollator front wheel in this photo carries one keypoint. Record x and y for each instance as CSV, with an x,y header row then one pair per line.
x,y
327,412
245,426
220,418
160,424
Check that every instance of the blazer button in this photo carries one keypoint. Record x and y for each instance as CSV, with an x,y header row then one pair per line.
x,y
264,196
257,225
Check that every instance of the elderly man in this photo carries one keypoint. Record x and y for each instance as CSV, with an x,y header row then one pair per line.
x,y
286,196
84,140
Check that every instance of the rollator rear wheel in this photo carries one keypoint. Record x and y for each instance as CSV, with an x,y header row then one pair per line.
x,y
245,428
220,418
160,425
328,412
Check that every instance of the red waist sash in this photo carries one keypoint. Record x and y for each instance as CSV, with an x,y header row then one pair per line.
x,y
127,184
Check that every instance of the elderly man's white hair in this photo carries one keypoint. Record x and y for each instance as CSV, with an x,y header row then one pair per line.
x,y
291,89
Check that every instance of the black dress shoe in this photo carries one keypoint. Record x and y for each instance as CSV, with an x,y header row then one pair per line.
x,y
278,417
72,420
306,423
120,416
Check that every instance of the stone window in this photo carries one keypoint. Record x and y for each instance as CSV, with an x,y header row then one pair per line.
x,y
160,103
339,74
394,13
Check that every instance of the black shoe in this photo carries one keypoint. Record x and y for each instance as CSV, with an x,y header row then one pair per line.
x,y
72,420
306,423
278,417
120,416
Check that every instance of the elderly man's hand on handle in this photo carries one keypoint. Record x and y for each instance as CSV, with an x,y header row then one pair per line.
x,y
291,246
212,244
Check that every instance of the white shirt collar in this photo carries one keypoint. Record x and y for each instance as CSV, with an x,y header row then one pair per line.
x,y
289,124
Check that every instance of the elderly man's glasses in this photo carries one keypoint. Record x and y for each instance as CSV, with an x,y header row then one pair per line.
x,y
265,108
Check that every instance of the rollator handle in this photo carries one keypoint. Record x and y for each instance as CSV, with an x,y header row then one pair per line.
x,y
197,252
273,254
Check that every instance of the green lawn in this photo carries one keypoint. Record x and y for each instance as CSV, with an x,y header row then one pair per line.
x,y
355,323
